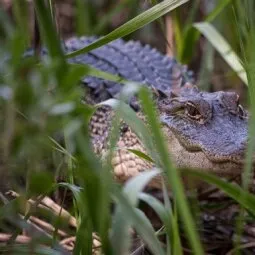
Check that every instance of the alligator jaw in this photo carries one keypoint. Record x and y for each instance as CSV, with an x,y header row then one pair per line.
x,y
197,159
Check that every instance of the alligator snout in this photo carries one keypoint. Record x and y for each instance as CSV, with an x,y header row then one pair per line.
x,y
210,130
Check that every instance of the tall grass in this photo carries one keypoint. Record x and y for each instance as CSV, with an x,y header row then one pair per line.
x,y
40,101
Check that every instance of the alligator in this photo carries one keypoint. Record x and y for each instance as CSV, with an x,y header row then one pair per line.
x,y
206,131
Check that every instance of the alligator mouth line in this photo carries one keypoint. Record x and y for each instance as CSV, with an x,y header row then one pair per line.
x,y
193,147
214,157
191,155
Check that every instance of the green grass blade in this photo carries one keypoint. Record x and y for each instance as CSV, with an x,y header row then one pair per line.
x,y
176,235
158,207
48,30
141,155
170,235
132,25
223,47
191,35
94,184
82,70
217,10
247,22
191,15
178,35
130,117
21,14
121,221
50,36
171,173
135,185
243,197
141,225
188,36
82,18
120,235
249,64
121,226
84,240
169,220
51,10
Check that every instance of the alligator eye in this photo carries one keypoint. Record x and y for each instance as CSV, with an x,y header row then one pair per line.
x,y
192,111
241,112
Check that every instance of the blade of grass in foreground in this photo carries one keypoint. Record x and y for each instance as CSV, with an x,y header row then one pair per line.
x,y
243,197
248,40
132,25
96,211
222,46
169,221
186,41
50,37
122,219
121,223
141,130
48,30
170,171
123,216
141,225
249,64
130,117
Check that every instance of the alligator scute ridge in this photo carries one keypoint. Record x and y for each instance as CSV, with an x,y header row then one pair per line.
x,y
131,61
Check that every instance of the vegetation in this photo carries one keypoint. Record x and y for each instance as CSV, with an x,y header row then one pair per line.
x,y
40,102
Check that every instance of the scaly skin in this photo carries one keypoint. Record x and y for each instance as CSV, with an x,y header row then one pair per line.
x,y
204,130
131,61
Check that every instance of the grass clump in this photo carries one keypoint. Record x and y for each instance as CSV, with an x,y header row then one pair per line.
x,y
45,131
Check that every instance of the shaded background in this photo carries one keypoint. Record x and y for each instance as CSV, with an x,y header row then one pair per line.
x,y
99,17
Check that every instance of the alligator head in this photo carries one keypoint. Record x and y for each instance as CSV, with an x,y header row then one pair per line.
x,y
205,130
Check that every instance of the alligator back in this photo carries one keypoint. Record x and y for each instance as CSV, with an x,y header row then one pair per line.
x,y
129,60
